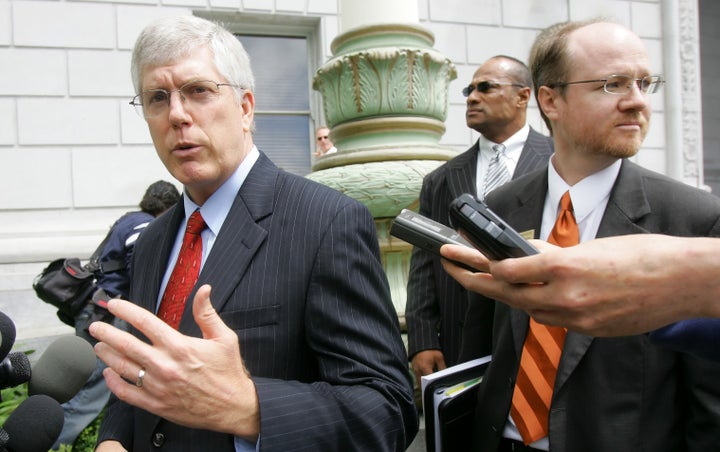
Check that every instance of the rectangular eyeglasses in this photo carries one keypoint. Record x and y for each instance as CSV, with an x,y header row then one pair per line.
x,y
622,84
155,102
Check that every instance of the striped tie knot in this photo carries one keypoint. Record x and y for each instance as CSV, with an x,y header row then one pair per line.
x,y
499,151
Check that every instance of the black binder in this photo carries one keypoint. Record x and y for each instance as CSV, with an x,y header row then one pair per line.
x,y
449,398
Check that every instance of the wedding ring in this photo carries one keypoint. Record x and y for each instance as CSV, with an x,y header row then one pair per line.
x,y
141,375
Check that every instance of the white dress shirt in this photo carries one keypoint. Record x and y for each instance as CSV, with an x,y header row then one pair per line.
x,y
589,199
513,148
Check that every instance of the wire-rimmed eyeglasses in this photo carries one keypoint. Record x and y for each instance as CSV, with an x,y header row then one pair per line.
x,y
486,86
622,84
155,102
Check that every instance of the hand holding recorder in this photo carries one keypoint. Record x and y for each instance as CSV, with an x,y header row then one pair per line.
x,y
496,239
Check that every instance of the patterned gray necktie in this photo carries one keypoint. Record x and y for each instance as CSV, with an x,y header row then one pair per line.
x,y
497,173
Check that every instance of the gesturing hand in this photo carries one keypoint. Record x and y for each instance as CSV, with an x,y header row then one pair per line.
x,y
196,382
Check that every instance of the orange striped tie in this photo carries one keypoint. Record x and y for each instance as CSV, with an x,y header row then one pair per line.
x,y
541,351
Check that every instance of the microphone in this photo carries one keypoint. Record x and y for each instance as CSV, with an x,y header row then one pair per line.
x,y
34,425
14,370
63,369
7,335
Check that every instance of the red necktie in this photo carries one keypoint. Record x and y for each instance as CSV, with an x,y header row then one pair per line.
x,y
541,351
185,274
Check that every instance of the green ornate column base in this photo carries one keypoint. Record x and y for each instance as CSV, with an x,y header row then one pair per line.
x,y
385,188
385,97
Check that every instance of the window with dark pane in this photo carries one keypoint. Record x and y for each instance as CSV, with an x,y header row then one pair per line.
x,y
282,99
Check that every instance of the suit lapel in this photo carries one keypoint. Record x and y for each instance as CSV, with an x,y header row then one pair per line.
x,y
462,172
159,238
523,211
627,204
239,239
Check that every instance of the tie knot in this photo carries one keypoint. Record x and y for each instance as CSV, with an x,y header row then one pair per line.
x,y
565,232
195,224
499,149
566,202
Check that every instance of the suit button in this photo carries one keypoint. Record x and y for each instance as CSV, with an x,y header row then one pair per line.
x,y
158,439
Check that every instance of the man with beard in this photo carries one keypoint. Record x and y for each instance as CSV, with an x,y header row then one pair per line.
x,y
549,389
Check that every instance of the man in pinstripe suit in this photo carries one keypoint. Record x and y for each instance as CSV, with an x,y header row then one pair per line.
x,y
497,101
297,346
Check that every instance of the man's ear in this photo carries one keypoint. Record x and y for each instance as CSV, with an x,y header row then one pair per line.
x,y
547,99
524,97
247,103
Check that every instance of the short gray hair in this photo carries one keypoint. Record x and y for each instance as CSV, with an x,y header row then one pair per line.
x,y
169,39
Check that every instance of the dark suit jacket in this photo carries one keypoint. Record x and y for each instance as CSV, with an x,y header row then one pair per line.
x,y
296,272
611,394
436,303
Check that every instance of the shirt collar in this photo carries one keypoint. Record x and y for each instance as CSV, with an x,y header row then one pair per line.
x,y
513,145
587,193
218,204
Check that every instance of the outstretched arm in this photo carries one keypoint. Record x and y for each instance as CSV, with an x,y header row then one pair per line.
x,y
606,287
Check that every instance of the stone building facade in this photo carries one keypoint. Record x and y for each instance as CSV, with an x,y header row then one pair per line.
x,y
75,155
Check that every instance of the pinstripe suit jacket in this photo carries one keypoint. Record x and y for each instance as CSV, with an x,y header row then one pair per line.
x,y
436,303
611,394
295,271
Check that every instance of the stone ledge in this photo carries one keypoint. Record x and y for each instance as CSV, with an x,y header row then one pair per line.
x,y
40,236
